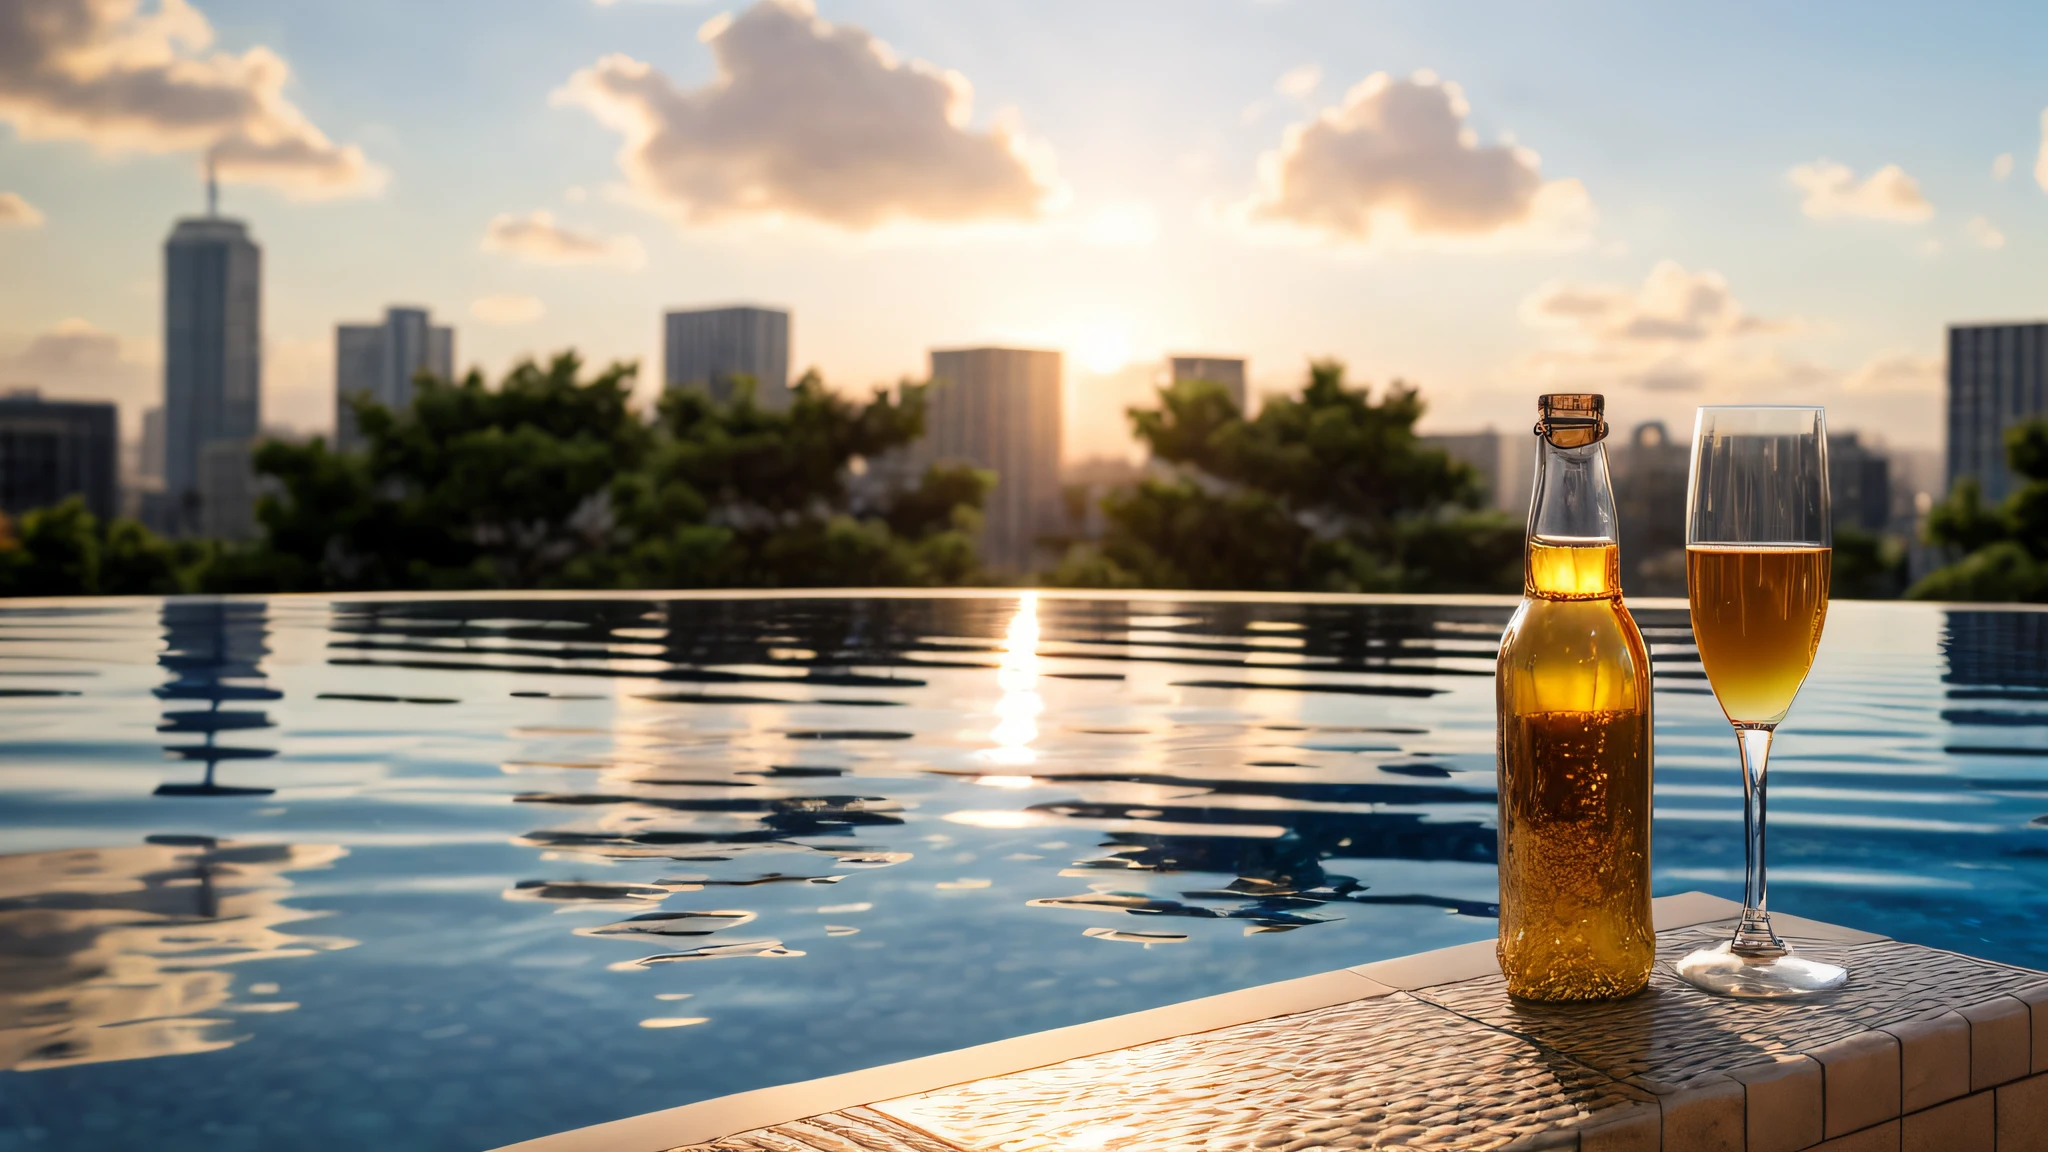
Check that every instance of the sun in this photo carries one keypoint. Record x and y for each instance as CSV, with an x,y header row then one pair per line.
x,y
1103,350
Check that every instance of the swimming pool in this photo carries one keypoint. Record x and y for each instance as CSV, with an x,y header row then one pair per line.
x,y
449,873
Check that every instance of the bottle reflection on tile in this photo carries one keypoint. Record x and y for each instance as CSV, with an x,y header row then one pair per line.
x,y
119,953
208,644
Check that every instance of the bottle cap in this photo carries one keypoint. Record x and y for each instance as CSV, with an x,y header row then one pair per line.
x,y
1572,419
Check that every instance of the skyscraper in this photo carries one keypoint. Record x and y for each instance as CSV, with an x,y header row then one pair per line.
x,y
1859,483
380,361
1651,471
999,409
708,347
151,461
213,352
1997,377
50,449
1225,370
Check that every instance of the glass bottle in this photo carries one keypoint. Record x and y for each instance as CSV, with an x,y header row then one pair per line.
x,y
1572,695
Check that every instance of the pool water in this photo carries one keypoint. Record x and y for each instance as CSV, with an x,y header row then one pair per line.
x,y
450,873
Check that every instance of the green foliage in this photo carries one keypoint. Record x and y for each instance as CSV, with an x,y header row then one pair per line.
x,y
1866,566
2001,571
550,480
1963,521
64,550
2003,551
1329,490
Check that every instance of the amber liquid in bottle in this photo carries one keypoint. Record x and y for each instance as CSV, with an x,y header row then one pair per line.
x,y
1573,701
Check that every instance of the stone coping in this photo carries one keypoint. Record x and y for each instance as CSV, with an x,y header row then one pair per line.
x,y
1428,1051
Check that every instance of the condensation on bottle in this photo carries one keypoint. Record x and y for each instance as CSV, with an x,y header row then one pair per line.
x,y
1572,696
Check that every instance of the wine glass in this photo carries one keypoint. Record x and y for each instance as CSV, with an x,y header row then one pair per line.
x,y
1758,547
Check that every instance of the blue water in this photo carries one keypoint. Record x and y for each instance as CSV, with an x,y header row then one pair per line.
x,y
453,873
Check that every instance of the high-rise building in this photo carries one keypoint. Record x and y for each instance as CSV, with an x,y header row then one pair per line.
x,y
51,449
1650,473
213,352
1225,370
150,462
999,409
1997,377
227,490
710,347
381,360
1859,484
1506,464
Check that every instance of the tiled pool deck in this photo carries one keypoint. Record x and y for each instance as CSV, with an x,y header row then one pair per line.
x,y
1925,1050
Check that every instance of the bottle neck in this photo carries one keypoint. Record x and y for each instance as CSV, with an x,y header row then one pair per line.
x,y
1573,551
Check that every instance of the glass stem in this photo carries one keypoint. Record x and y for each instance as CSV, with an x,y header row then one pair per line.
x,y
1753,937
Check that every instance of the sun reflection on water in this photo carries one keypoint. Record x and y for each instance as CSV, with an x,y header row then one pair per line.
x,y
1018,710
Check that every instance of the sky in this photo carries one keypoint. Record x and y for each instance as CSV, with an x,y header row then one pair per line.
x,y
1671,204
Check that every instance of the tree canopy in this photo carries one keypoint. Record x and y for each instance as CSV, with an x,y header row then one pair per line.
x,y
552,480
2001,550
1326,490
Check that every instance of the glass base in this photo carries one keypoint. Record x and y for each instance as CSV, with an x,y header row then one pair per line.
x,y
1726,972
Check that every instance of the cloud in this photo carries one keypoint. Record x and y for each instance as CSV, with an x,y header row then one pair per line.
x,y
77,361
1300,81
1682,338
536,238
810,121
1679,331
107,72
1983,235
16,212
2041,161
2001,166
1832,192
1897,373
1396,161
507,310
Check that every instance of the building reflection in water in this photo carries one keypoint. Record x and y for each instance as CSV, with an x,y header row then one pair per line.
x,y
1280,811
213,651
121,953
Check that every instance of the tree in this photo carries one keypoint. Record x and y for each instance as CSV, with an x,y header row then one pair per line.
x,y
1866,565
551,480
2001,552
1328,490
64,550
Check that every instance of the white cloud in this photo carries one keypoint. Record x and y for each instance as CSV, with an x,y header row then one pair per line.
x,y
2001,167
1832,191
1983,234
810,121
16,212
2041,161
1897,373
536,238
1395,161
1300,81
1679,331
77,361
507,310
107,72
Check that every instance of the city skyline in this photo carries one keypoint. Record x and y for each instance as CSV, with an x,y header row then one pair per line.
x,y
1807,219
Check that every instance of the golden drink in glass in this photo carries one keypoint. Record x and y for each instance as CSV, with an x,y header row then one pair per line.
x,y
1757,615
1757,560
1573,704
